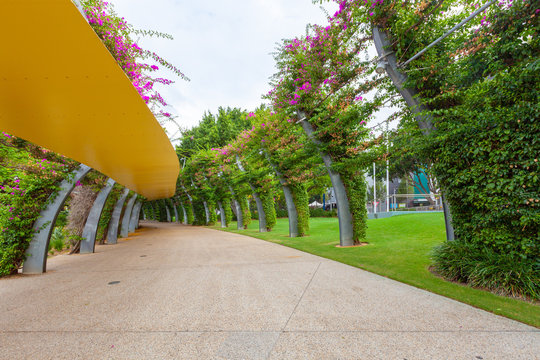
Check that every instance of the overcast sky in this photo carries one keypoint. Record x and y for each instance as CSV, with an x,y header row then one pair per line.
x,y
223,46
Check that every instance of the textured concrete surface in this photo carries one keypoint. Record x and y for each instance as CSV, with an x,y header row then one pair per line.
x,y
184,292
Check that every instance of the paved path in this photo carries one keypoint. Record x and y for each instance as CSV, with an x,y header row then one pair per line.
x,y
194,293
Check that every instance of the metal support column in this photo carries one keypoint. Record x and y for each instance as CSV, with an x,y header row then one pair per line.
x,y
36,255
90,228
344,213
167,211
222,215
124,230
185,213
421,114
206,212
175,208
239,215
289,200
134,218
112,234
260,208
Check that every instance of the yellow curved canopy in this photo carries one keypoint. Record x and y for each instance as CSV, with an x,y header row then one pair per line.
x,y
61,88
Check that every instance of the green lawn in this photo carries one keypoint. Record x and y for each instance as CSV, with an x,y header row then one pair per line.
x,y
399,248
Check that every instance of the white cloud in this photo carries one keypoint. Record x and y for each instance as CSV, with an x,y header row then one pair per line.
x,y
223,46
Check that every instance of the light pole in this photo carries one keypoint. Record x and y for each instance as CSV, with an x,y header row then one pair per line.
x,y
374,191
387,171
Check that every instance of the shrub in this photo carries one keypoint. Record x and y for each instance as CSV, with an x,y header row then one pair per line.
x,y
301,202
282,213
322,213
57,239
481,266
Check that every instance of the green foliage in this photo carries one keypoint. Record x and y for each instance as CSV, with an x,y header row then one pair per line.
x,y
57,239
314,213
244,206
61,220
108,209
148,211
486,146
199,213
301,202
162,210
155,210
281,213
179,210
484,268
269,210
72,239
213,131
189,212
212,212
320,80
29,176
481,89
170,205
226,203
355,185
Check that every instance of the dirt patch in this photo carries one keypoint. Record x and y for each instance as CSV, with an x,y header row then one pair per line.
x,y
353,246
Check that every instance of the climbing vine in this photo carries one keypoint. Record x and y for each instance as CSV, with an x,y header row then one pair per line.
x,y
29,177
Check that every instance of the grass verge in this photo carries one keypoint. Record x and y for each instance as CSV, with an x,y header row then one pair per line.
x,y
399,248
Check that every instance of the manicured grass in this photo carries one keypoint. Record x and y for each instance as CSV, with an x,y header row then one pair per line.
x,y
399,248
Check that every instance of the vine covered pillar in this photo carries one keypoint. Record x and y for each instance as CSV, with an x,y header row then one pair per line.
x,y
289,201
36,254
175,208
421,114
239,216
291,209
206,212
185,222
134,219
222,215
190,199
124,230
346,234
90,228
144,211
155,211
167,210
112,234
260,207
139,210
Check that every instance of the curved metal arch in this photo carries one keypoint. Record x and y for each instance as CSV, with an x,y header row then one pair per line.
x,y
289,200
36,255
420,111
260,207
124,230
222,215
134,219
112,234
346,234
239,215
92,222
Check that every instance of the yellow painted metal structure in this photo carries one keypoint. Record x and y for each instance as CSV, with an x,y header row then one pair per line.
x,y
60,88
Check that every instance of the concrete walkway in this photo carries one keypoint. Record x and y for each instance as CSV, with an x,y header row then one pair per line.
x,y
193,293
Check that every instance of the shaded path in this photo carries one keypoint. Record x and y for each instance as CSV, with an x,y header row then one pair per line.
x,y
194,293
